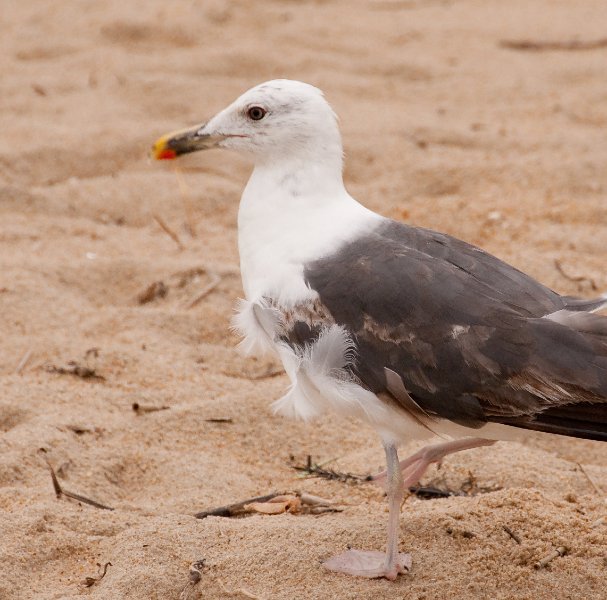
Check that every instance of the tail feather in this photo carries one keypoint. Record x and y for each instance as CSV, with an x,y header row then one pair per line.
x,y
586,420
568,373
585,305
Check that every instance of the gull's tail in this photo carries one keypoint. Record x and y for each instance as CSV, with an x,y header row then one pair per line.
x,y
582,304
569,372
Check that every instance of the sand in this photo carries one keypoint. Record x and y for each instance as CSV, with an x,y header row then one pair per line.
x,y
442,127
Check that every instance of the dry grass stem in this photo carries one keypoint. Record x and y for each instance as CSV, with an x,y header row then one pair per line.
x,y
59,491
544,562
595,486
142,409
544,46
187,202
24,360
168,231
157,289
235,509
311,469
90,581
206,290
515,536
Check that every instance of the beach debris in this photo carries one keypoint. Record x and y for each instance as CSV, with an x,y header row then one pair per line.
x,y
316,505
39,89
458,532
91,581
24,360
219,420
156,289
141,409
59,491
76,369
206,290
277,505
186,197
544,46
234,510
254,373
160,289
194,577
544,562
429,492
274,504
269,371
579,279
515,536
168,230
594,485
84,371
311,469
438,488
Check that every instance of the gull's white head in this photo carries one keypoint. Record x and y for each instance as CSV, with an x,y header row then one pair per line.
x,y
277,120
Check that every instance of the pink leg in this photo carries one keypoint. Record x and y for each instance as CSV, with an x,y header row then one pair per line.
x,y
380,564
414,467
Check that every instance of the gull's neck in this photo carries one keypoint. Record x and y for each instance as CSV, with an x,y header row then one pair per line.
x,y
293,211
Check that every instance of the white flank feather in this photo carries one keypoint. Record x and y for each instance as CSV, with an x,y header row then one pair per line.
x,y
321,381
258,325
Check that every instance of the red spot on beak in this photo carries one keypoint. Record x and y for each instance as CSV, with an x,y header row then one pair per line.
x,y
166,154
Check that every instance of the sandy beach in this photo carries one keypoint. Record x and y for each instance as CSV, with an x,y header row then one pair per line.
x,y
119,275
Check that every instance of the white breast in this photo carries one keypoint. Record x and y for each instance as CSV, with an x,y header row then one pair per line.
x,y
283,223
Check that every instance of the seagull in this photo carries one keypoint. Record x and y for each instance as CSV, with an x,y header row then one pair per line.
x,y
415,332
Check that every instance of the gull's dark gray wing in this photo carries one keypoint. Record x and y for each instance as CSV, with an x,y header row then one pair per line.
x,y
467,333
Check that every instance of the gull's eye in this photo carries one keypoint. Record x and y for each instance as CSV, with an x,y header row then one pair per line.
x,y
256,113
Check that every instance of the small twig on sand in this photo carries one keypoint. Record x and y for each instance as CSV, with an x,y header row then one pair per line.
x,y
90,581
236,509
270,371
543,562
278,502
313,470
219,420
24,360
597,489
168,231
515,536
59,491
195,575
157,289
140,410
206,290
575,278
187,202
429,492
543,46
